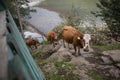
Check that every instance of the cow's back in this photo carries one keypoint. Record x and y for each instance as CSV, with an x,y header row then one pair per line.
x,y
68,33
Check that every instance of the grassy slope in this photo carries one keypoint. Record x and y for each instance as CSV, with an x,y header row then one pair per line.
x,y
108,47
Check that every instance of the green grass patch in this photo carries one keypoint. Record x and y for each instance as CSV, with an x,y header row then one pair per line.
x,y
63,65
65,71
41,62
38,53
45,42
50,76
108,47
96,75
68,59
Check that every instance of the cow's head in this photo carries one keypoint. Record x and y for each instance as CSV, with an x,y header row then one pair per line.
x,y
87,38
81,42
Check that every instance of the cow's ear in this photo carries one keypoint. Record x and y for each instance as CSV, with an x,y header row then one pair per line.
x,y
78,38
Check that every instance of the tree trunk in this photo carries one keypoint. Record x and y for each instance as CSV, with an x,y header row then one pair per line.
x,y
19,18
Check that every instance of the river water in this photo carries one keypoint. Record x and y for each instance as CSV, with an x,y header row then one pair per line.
x,y
44,20
48,12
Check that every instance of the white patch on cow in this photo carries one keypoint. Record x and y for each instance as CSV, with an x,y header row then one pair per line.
x,y
87,38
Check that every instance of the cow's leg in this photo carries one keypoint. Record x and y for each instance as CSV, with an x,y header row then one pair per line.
x,y
64,43
68,46
53,44
75,49
79,50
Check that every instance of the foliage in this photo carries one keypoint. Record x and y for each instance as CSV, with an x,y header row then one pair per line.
x,y
73,18
110,13
14,5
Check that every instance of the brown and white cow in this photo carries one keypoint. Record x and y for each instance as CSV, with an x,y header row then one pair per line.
x,y
52,37
74,37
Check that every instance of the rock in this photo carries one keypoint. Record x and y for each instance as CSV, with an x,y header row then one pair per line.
x,y
60,55
81,61
82,74
115,73
50,68
106,60
113,54
106,53
110,71
118,65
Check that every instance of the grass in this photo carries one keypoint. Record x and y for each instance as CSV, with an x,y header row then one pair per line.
x,y
95,75
67,59
50,76
108,47
41,62
40,54
65,71
64,65
45,42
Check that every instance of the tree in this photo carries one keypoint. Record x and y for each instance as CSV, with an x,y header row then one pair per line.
x,y
110,13
17,11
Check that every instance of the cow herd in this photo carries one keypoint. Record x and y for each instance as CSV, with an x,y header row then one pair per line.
x,y
70,35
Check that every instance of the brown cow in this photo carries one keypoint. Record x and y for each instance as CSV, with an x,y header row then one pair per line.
x,y
31,42
52,37
73,36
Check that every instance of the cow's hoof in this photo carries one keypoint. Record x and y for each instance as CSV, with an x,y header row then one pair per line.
x,y
76,55
73,53
79,54
86,50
